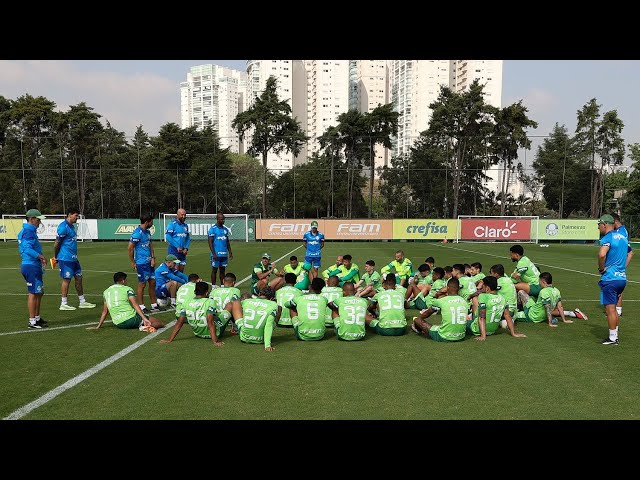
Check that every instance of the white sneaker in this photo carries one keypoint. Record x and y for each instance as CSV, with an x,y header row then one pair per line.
x,y
580,314
66,306
87,305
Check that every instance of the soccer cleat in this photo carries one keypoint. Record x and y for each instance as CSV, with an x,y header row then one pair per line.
x,y
87,305
66,306
37,324
154,309
44,322
608,341
580,314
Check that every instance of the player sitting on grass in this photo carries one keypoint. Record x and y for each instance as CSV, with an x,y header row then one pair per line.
x,y
256,318
331,291
284,295
506,288
526,274
390,304
120,301
199,313
261,273
453,309
186,292
300,270
307,312
370,283
349,312
418,285
476,274
546,306
421,301
222,297
403,268
491,308
333,269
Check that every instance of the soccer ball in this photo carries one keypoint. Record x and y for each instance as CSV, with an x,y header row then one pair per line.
x,y
503,323
162,302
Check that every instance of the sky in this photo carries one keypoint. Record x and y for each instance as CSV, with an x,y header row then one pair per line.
x,y
129,93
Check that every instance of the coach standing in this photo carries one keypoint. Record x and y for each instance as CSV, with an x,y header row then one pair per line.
x,y
612,262
179,238
33,265
314,243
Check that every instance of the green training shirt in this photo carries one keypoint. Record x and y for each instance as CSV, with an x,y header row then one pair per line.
x,y
196,311
258,320
494,306
391,309
548,296
453,309
117,299
310,320
350,325
529,273
284,295
507,290
330,293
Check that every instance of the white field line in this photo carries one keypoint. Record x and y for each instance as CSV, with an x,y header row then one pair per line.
x,y
544,264
50,395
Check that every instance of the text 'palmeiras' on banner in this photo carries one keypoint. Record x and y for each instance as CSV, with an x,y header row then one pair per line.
x,y
492,229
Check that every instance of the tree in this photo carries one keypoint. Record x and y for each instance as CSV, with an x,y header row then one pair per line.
x,y
273,129
508,136
379,125
563,173
602,137
459,124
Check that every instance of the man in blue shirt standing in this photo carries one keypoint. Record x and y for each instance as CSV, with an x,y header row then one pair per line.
x,y
620,228
313,242
179,238
169,279
65,254
143,260
33,266
220,246
612,264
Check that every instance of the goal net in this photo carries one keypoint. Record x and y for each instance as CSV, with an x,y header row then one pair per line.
x,y
199,224
475,228
12,224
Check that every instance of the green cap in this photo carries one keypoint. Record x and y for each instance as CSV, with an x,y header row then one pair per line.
x,y
606,218
172,258
267,256
35,213
314,224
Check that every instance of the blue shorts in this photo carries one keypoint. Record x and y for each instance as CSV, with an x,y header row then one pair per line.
x,y
219,261
145,272
180,256
162,291
314,261
33,275
610,290
70,268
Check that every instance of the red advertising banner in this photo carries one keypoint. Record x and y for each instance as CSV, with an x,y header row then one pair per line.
x,y
489,229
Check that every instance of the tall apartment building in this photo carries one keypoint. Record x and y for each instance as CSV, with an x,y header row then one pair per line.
x,y
327,97
368,88
213,95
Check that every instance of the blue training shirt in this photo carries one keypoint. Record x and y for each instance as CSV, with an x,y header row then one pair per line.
x,y
141,240
164,274
220,234
314,244
29,245
177,235
68,238
616,260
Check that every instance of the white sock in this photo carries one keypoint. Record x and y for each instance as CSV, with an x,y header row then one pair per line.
x,y
619,310
142,307
173,300
81,298
571,313
613,334
616,330
37,318
32,321
65,300
154,305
